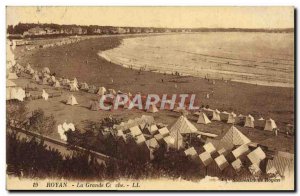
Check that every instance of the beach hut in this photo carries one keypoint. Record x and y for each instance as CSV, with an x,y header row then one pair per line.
x,y
231,118
71,100
249,121
270,125
216,115
45,95
202,119
152,108
101,91
183,126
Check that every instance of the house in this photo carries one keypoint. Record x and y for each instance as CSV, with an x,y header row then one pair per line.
x,y
36,31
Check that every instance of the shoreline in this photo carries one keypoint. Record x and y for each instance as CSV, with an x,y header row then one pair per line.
x,y
116,56
81,60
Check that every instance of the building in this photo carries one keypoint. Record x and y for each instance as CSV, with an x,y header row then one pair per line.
x,y
35,31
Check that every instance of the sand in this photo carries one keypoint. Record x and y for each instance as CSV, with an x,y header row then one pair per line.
x,y
81,60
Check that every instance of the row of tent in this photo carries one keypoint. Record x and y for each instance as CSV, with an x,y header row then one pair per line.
x,y
232,118
235,151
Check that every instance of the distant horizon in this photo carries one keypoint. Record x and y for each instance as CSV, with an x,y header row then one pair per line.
x,y
271,28
156,17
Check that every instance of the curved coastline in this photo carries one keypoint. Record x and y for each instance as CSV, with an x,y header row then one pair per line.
x,y
262,71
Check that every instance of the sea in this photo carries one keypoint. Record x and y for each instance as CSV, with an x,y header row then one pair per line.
x,y
248,57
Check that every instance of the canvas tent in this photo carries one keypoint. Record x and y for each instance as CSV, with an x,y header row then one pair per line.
x,y
249,121
95,106
92,89
84,86
36,77
202,119
183,126
270,125
152,108
256,156
216,115
231,118
101,91
15,93
46,70
71,100
56,84
45,95
112,91
10,83
12,76
45,81
233,137
73,87
65,82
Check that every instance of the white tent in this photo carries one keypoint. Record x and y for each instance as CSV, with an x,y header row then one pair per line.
x,y
15,93
216,115
71,100
233,137
36,77
101,91
249,121
56,84
231,118
270,125
183,126
73,86
10,83
112,91
84,86
45,95
92,89
46,70
44,81
12,76
203,119
65,82
152,108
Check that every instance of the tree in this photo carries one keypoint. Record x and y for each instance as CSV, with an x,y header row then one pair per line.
x,y
41,123
15,111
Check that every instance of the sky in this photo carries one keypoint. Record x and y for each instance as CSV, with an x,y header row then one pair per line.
x,y
172,17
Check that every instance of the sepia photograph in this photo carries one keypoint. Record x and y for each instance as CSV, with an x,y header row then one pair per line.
x,y
167,98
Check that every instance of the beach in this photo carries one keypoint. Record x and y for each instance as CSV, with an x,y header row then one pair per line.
x,y
256,58
82,60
